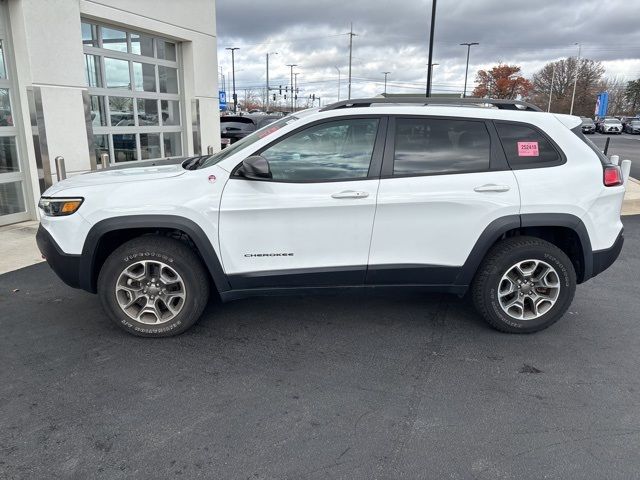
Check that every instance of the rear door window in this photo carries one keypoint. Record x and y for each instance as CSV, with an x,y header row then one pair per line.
x,y
527,147
429,146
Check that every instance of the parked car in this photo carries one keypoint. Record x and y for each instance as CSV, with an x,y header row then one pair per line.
x,y
632,125
611,125
588,126
236,127
434,198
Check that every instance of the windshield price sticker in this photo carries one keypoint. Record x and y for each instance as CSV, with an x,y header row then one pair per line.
x,y
528,149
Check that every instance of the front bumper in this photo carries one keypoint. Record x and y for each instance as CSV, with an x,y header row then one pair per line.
x,y
612,129
66,266
603,259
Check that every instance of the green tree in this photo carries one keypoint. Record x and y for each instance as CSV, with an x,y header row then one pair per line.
x,y
632,95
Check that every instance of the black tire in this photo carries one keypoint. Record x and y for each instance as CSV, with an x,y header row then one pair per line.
x,y
182,259
499,260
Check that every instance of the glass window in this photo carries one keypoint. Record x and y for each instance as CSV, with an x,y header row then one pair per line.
x,y
141,44
92,71
6,119
170,112
117,73
8,155
429,146
113,39
526,146
121,112
101,145
98,116
132,122
168,79
124,147
144,77
148,112
3,70
150,145
166,50
11,198
89,35
335,150
172,144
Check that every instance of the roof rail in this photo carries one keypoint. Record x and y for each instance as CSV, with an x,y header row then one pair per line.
x,y
496,102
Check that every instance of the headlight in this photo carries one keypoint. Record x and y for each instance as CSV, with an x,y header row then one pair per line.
x,y
59,207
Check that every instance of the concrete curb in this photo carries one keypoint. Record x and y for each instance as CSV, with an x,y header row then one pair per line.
x,y
631,204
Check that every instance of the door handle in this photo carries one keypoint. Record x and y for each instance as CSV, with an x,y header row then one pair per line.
x,y
490,187
350,194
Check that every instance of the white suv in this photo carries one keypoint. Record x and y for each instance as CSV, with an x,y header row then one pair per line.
x,y
501,199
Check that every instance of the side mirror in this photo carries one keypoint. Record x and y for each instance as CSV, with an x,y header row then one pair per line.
x,y
255,167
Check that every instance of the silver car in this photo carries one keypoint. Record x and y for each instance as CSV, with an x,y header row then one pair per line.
x,y
611,125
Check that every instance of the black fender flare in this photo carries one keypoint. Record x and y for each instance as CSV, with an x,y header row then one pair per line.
x,y
502,225
87,277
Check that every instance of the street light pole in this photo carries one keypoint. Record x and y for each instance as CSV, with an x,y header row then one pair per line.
x,y
351,35
430,73
385,81
268,89
553,77
291,65
466,71
233,70
295,86
338,82
575,81
431,33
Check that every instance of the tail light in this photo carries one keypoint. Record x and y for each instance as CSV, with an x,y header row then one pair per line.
x,y
612,176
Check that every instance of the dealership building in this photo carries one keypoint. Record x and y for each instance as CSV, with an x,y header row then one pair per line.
x,y
136,80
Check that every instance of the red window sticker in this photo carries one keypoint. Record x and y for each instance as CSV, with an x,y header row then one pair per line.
x,y
528,149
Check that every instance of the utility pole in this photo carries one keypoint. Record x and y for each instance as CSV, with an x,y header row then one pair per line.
x,y
553,77
575,81
428,90
466,71
385,81
431,33
351,35
338,82
295,91
233,70
291,82
266,108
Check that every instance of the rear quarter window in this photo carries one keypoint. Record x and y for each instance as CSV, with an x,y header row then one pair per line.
x,y
527,147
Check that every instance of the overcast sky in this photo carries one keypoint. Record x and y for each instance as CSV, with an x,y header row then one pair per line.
x,y
393,36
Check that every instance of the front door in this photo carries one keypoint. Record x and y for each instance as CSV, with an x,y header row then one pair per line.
x,y
311,224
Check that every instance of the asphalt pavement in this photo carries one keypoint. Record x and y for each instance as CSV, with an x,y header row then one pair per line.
x,y
351,387
625,145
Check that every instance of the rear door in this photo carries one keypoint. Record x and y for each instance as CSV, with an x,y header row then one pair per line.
x,y
444,181
311,223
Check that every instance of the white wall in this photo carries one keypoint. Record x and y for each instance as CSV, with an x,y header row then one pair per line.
x,y
47,43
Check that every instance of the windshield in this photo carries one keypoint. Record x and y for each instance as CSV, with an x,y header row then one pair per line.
x,y
587,121
635,122
611,120
247,141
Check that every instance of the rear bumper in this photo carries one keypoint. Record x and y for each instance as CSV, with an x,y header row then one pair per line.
x,y
66,266
603,259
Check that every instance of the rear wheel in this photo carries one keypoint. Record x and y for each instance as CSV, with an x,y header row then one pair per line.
x,y
153,286
524,285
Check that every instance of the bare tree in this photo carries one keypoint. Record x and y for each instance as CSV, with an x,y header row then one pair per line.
x,y
588,85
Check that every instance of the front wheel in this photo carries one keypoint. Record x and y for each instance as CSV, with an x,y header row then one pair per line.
x,y
524,285
153,286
